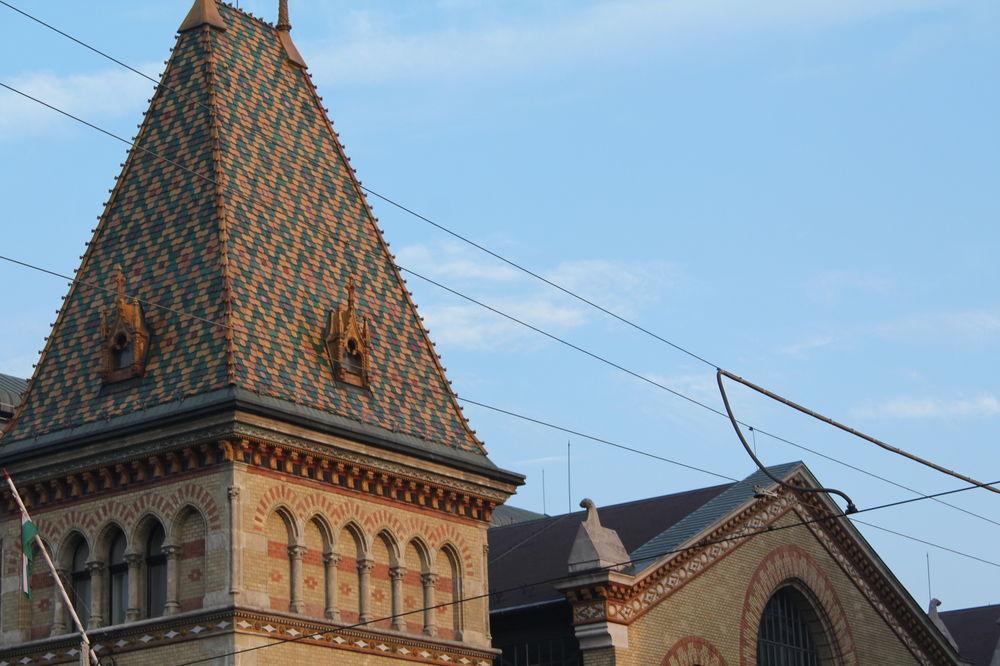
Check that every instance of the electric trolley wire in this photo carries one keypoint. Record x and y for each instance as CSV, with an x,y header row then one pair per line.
x,y
571,345
513,264
703,543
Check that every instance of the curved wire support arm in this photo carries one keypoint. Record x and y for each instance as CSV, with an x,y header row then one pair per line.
x,y
857,433
851,508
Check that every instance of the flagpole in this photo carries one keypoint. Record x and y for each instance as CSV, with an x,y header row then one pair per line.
x,y
85,640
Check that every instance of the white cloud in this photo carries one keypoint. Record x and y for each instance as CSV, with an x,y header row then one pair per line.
x,y
623,287
96,96
372,51
801,348
833,286
545,460
452,260
970,325
469,326
700,386
906,407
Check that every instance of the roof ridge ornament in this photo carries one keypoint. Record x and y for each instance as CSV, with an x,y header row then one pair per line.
x,y
284,28
596,546
126,337
202,12
932,612
347,343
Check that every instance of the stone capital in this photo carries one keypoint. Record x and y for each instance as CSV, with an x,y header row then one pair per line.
x,y
602,635
366,565
397,573
233,492
95,566
172,552
332,559
429,579
133,560
296,552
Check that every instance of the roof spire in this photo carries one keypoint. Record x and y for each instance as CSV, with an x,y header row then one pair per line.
x,y
283,23
284,27
202,12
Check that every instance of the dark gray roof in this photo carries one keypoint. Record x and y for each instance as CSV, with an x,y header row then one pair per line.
x,y
11,389
539,549
735,496
505,515
976,631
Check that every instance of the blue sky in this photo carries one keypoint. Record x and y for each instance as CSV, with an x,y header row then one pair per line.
x,y
803,192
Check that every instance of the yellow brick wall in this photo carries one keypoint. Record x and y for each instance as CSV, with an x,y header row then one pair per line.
x,y
710,606
186,507
350,516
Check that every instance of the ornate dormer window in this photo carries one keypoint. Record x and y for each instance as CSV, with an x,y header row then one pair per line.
x,y
347,342
126,339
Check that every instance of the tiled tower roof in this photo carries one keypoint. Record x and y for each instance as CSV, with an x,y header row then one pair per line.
x,y
256,226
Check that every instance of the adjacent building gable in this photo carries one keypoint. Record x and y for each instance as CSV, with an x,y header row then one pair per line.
x,y
701,583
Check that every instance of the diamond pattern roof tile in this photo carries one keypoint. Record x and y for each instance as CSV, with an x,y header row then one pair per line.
x,y
265,251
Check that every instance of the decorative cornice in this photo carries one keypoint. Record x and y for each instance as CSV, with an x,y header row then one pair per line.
x,y
328,468
151,634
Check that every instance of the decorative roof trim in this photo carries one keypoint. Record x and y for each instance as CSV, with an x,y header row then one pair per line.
x,y
221,187
236,399
203,12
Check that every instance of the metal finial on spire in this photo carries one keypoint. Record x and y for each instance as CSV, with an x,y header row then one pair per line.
x,y
283,22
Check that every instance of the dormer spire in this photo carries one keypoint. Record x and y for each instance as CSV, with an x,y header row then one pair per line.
x,y
202,12
284,28
119,283
283,23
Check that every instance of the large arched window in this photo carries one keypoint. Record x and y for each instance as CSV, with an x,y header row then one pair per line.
x,y
791,632
118,583
80,581
156,573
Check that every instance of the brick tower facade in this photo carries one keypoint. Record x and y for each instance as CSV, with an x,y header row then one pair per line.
x,y
239,431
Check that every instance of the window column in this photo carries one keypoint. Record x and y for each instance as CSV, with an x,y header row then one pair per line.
x,y
173,605
58,612
134,562
396,574
429,580
295,604
330,561
97,594
365,567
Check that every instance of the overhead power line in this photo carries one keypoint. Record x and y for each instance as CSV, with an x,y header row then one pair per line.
x,y
392,202
479,246
593,355
703,543
251,334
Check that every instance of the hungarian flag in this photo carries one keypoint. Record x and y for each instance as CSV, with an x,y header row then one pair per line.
x,y
28,532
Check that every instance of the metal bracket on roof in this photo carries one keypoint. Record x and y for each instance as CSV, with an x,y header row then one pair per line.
x,y
851,508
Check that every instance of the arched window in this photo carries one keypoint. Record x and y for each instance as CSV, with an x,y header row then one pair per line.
x,y
353,363
156,573
791,632
118,582
121,352
80,581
